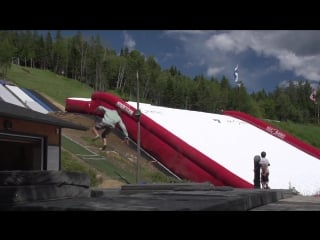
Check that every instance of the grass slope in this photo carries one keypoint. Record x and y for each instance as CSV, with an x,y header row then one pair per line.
x,y
55,86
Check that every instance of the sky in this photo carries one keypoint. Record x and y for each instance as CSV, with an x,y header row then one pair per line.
x,y
265,58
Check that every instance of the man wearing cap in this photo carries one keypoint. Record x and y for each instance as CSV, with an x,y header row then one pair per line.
x,y
108,122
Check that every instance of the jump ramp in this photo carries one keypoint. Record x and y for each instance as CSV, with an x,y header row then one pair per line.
x,y
216,148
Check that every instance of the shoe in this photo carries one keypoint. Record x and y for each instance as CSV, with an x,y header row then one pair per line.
x,y
103,148
95,138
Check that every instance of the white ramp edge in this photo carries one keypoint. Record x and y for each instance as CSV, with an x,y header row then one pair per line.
x,y
8,97
26,99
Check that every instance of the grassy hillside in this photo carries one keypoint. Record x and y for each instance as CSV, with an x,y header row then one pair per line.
x,y
309,133
55,86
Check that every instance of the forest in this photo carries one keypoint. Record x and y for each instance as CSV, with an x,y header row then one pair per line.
x,y
90,62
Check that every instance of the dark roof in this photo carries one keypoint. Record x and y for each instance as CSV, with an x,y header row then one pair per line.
x,y
13,111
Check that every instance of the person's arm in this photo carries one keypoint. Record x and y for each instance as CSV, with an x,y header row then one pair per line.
x,y
125,132
101,108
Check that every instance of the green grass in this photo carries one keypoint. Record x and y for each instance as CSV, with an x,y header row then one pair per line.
x,y
73,147
68,163
111,170
104,166
55,86
309,133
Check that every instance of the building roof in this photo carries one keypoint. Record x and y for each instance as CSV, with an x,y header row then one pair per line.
x,y
13,111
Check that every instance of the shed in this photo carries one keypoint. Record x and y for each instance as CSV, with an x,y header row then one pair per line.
x,y
30,140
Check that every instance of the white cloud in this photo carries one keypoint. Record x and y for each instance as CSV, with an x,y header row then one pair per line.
x,y
128,41
228,42
297,51
212,71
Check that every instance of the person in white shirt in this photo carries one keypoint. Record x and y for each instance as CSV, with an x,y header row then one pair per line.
x,y
264,164
108,122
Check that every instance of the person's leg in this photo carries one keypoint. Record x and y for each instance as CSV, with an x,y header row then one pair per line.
x,y
104,134
267,181
98,125
95,132
263,180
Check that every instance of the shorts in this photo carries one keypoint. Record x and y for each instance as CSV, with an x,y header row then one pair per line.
x,y
107,128
100,125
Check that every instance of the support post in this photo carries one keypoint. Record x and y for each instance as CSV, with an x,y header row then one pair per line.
x,y
137,115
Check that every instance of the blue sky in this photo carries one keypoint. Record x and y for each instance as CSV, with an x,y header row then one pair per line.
x,y
266,58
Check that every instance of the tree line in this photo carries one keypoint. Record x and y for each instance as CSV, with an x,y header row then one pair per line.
x,y
90,62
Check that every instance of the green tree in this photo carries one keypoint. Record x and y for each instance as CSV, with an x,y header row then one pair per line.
x,y
48,54
96,57
59,54
40,53
152,69
7,51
